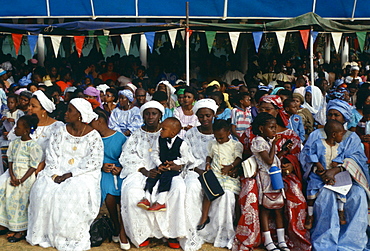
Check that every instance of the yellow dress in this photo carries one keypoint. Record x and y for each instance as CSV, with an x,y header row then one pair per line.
x,y
14,200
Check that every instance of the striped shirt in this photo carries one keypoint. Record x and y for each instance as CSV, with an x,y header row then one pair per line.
x,y
241,118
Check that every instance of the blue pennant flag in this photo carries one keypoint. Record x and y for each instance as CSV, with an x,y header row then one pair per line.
x,y
257,36
32,41
150,40
314,35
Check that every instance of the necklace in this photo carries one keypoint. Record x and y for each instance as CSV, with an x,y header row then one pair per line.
x,y
151,144
74,148
43,128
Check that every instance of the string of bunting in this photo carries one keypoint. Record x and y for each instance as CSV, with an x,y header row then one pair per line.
x,y
102,40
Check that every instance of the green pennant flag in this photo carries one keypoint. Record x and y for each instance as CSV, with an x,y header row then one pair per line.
x,y
103,42
361,36
210,36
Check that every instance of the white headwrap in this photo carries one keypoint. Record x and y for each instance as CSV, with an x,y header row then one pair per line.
x,y
205,103
166,83
132,86
85,109
103,88
151,104
45,102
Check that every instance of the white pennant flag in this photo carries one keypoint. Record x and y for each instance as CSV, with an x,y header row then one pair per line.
x,y
337,37
234,38
126,41
281,35
55,40
172,34
183,34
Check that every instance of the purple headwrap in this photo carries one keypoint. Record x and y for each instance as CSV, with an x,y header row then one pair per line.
x,y
91,91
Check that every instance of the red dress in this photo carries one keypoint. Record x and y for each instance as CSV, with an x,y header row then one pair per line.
x,y
248,232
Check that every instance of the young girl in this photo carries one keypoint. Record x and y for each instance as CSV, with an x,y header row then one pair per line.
x,y
13,114
110,182
125,118
241,116
24,156
224,157
264,149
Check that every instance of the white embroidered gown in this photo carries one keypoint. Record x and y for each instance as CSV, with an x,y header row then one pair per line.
x,y
60,214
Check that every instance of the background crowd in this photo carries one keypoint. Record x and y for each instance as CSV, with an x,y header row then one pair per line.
x,y
101,150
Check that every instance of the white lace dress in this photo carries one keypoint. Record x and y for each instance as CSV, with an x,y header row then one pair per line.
x,y
198,143
42,135
60,214
141,224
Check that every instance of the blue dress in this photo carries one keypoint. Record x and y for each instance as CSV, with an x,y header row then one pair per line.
x,y
121,120
326,233
226,114
167,113
109,183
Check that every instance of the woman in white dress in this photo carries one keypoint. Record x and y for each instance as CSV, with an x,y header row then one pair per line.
x,y
42,106
197,138
65,199
137,165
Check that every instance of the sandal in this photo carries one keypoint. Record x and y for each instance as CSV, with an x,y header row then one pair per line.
x,y
14,239
272,247
283,246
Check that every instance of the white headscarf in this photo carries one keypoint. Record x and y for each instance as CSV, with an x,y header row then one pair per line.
x,y
205,103
317,99
103,88
85,109
151,104
45,102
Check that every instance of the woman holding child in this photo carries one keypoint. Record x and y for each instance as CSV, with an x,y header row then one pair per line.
x,y
137,165
327,233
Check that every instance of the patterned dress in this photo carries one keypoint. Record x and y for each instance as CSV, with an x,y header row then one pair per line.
x,y
248,229
14,200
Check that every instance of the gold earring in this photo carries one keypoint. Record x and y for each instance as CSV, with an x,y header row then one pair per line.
x,y
43,115
79,118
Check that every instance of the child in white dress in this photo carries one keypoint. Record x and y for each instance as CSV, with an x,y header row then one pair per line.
x,y
224,158
264,149
24,156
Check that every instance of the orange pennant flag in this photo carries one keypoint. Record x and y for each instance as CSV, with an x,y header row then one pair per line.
x,y
79,41
305,35
17,40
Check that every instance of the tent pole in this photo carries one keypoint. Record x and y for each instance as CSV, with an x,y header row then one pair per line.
x,y
311,59
187,41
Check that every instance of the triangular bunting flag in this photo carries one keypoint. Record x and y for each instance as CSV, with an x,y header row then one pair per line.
x,y
32,41
55,41
79,41
257,37
234,38
280,35
172,34
17,40
103,42
361,36
314,35
182,34
190,32
150,40
305,36
210,36
126,41
337,37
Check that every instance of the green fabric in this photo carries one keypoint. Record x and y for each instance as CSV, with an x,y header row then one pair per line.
x,y
103,42
180,91
361,36
210,35
305,21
